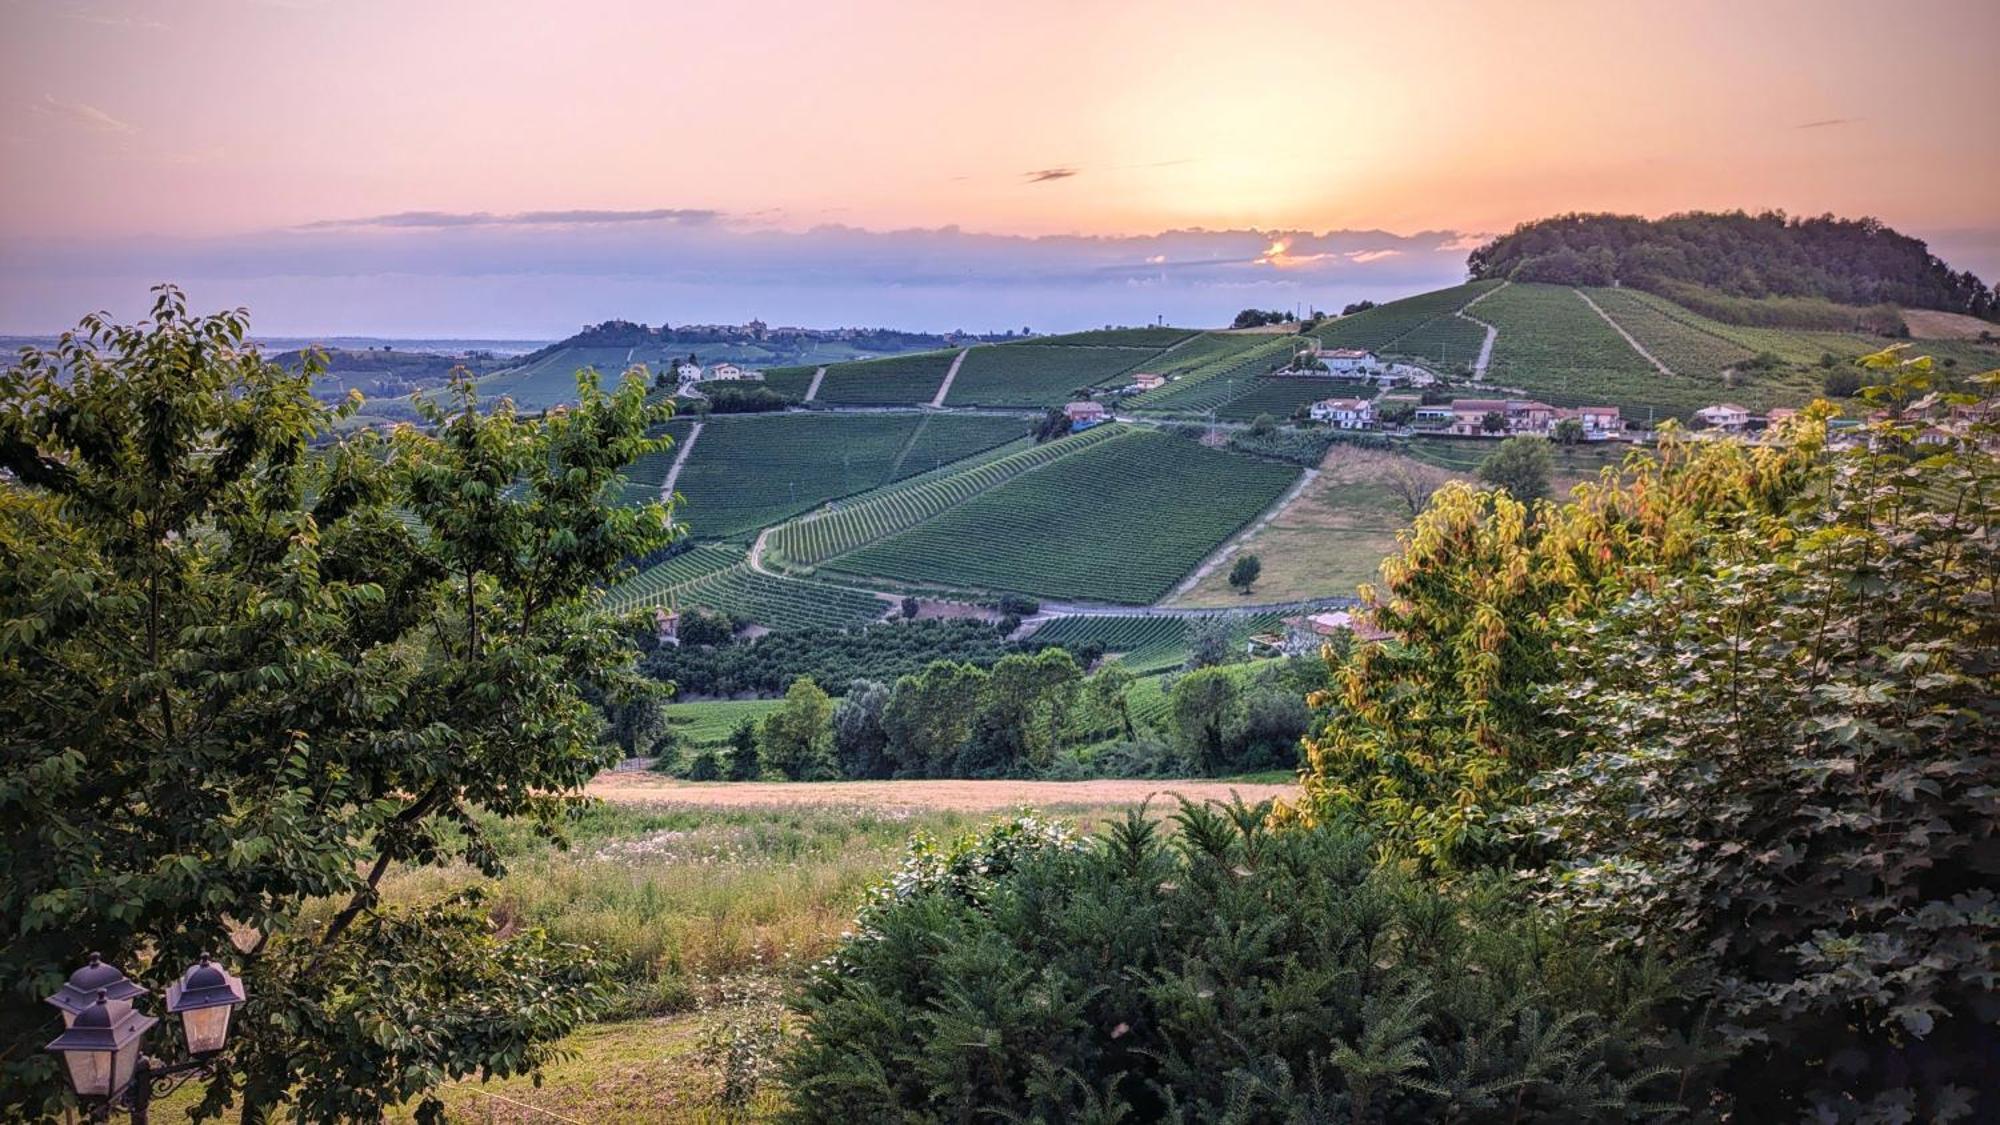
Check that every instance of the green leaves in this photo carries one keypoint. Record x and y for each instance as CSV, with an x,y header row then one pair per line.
x,y
246,666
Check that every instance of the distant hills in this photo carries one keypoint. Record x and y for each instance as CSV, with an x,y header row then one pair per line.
x,y
1766,268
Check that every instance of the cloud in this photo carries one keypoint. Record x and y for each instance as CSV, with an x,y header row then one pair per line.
x,y
438,220
101,20
1464,243
1828,123
89,116
1363,257
1046,174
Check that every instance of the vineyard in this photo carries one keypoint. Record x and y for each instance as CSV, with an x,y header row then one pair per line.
x,y
1281,395
1202,351
824,535
1121,521
1446,343
1219,380
1381,328
749,471
904,380
790,381
551,379
659,584
708,723
1035,375
1554,347
1144,645
779,603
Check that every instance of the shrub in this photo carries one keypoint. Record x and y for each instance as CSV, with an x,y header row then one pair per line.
x,y
1232,974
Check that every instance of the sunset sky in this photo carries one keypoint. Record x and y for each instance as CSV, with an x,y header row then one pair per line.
x,y
513,169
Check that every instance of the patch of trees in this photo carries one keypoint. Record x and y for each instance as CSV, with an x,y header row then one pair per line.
x,y
706,664
736,398
1258,318
1857,262
1353,307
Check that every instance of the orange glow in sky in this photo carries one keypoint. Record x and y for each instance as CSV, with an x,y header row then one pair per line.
x,y
213,116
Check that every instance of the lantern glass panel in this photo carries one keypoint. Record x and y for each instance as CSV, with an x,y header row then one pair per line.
x,y
89,1073
124,1061
207,1028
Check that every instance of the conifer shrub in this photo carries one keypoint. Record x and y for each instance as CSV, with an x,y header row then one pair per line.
x,y
1221,972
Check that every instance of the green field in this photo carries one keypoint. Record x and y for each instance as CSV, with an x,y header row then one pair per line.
x,y
1149,338
707,723
1121,521
824,535
750,470
1280,395
1219,379
1382,328
1036,375
904,380
551,379
790,381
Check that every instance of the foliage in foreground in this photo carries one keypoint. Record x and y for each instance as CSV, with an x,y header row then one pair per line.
x,y
239,674
1234,974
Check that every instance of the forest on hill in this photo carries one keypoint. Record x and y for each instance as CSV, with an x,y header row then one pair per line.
x,y
1856,262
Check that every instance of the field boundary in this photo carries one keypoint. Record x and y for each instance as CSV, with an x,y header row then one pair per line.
x,y
812,388
1492,333
1243,535
1649,357
951,373
674,472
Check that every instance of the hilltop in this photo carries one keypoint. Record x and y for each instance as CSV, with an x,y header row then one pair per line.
x,y
1789,266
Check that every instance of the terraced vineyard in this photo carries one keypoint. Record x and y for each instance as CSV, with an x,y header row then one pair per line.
x,y
1144,644
748,470
1554,347
1121,521
1446,343
1381,328
1203,350
824,535
780,603
790,381
1036,375
904,380
1281,395
1680,345
1217,381
660,583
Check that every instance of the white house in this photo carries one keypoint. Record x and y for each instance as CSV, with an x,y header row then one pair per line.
x,y
730,372
1345,413
688,372
1724,416
1346,361
1147,380
1598,421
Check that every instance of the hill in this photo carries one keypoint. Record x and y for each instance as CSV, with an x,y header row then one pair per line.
x,y
1850,262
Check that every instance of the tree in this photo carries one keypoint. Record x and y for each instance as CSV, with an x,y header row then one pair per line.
x,y
1493,422
1206,712
1028,707
745,763
860,744
1263,425
1412,482
1106,695
1568,432
1210,641
1051,425
1841,382
1521,468
930,715
910,608
236,682
798,736
1244,574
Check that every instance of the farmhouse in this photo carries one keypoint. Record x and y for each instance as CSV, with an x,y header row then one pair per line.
x,y
1147,380
1435,417
1083,415
729,372
1303,635
1468,415
1599,422
1723,416
688,371
1345,413
1346,361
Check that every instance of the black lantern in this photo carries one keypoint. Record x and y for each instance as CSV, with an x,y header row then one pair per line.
x,y
203,998
85,985
101,1046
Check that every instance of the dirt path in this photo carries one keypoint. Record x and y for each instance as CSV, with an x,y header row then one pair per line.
x,y
1649,357
674,473
812,389
967,796
944,388
1492,333
1235,542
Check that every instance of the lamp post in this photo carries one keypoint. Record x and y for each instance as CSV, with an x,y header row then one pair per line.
x,y
103,1035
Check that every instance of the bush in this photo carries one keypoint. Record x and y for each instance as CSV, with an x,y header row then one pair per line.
x,y
1232,974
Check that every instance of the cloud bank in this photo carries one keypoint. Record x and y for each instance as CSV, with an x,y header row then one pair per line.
x,y
540,274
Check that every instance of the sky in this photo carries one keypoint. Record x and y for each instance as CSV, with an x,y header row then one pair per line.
x,y
503,169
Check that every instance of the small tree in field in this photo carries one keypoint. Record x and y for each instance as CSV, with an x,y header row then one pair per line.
x,y
798,737
1245,573
244,671
1521,466
745,762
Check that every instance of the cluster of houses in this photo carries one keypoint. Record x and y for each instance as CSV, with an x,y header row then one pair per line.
x,y
1361,364
1478,417
689,375
1305,634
